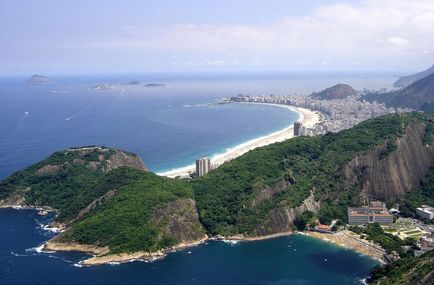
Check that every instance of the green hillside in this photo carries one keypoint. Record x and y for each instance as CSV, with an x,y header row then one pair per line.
x,y
105,197
225,195
419,94
406,271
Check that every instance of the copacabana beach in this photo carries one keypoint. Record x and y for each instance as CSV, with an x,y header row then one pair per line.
x,y
307,117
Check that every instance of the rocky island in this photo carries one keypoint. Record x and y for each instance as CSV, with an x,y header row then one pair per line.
x,y
109,86
37,79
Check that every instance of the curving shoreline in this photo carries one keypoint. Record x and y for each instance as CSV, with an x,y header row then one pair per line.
x,y
102,255
347,239
307,117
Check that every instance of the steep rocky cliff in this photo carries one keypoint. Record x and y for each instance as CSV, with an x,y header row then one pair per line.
x,y
180,220
397,173
281,219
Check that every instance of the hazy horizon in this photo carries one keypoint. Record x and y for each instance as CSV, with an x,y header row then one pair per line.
x,y
72,37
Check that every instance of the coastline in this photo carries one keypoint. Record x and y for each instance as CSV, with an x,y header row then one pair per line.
x,y
307,117
351,241
101,255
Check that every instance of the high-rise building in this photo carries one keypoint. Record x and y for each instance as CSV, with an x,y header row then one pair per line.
x,y
297,128
203,166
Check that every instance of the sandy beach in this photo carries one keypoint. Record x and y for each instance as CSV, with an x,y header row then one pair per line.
x,y
351,240
307,117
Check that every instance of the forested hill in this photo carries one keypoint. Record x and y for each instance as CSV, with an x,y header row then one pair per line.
x,y
338,91
415,96
265,190
407,80
107,199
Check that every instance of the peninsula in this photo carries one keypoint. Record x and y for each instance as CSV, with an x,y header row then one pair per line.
x,y
109,205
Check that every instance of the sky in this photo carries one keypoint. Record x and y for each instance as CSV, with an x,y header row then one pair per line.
x,y
93,36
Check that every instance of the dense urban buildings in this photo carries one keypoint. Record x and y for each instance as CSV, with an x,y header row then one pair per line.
x,y
425,212
203,166
338,114
375,212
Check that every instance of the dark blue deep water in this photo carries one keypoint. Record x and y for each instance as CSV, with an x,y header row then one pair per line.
x,y
295,259
168,127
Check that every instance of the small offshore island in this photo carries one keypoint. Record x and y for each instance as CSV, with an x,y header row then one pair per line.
x,y
109,205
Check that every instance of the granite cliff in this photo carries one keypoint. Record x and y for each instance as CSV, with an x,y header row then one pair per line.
x,y
109,205
392,176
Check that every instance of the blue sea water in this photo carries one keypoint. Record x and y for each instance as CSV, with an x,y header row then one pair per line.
x,y
168,127
295,259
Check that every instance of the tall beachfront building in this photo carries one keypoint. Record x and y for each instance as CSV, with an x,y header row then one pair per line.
x,y
203,166
297,128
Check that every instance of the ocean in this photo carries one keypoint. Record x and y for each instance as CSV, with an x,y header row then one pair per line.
x,y
169,127
295,259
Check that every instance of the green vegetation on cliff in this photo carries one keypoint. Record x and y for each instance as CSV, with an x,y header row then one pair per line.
x,y
422,195
419,94
406,271
225,196
65,181
124,221
105,198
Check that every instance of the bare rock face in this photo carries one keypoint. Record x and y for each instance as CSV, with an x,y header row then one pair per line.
x,y
269,192
179,220
394,175
48,169
281,219
16,199
120,158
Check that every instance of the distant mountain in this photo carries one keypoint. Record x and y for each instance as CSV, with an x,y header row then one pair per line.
x,y
134,82
154,85
407,80
339,91
415,96
37,79
109,86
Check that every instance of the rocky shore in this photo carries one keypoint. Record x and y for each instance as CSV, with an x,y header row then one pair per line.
x,y
101,255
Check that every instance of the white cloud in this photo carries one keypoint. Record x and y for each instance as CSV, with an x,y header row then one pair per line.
x,y
398,41
375,29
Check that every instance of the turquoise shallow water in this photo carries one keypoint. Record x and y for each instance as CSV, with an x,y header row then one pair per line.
x,y
295,259
168,127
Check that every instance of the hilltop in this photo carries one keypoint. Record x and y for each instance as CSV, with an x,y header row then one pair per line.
x,y
338,91
109,205
407,80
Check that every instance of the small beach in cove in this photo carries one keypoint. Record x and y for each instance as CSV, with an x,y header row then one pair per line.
x,y
308,118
